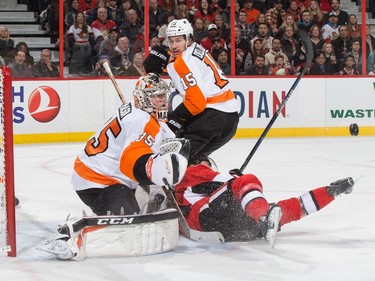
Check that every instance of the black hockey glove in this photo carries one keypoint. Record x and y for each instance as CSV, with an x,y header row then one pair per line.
x,y
235,173
178,118
156,61
175,124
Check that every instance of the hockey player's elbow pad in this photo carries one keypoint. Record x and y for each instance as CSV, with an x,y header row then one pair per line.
x,y
167,169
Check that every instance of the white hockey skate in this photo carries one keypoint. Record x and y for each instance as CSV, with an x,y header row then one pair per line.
x,y
269,225
64,244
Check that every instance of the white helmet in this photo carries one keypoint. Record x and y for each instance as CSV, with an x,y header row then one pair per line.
x,y
180,27
148,87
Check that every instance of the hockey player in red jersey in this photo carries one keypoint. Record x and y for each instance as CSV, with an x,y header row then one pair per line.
x,y
235,205
132,148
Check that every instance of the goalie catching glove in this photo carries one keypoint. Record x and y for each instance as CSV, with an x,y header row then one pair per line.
x,y
169,166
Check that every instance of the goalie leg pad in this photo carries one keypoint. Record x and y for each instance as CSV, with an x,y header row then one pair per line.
x,y
135,239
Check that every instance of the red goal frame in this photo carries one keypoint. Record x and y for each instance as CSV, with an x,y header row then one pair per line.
x,y
7,107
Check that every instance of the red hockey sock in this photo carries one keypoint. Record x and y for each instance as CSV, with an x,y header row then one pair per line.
x,y
308,203
291,210
248,191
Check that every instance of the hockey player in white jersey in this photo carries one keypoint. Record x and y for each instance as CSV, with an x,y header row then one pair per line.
x,y
129,150
208,115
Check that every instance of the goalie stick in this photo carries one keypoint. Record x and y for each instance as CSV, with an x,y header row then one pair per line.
x,y
309,57
210,237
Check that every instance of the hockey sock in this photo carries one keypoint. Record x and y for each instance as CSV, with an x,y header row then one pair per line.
x,y
308,203
248,191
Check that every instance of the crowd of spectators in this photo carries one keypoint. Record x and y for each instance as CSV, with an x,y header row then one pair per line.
x,y
266,40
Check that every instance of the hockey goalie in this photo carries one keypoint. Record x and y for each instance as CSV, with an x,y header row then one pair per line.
x,y
134,150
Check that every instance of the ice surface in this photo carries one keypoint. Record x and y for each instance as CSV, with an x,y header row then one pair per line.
x,y
337,243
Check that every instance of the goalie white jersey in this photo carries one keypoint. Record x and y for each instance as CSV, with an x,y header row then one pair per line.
x,y
198,78
131,133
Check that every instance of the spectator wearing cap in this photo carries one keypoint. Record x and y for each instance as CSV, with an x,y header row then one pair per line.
x,y
252,13
330,30
156,18
205,12
342,16
216,46
199,30
212,34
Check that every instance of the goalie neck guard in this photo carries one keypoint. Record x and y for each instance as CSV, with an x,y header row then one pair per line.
x,y
152,94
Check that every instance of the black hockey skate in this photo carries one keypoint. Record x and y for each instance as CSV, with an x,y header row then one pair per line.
x,y
341,186
269,225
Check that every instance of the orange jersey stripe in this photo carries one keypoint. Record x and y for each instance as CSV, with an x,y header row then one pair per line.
x,y
88,174
227,95
138,148
195,100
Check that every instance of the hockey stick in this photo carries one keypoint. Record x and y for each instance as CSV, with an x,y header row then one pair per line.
x,y
309,57
114,82
211,237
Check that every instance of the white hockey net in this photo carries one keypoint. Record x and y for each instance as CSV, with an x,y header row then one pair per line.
x,y
7,207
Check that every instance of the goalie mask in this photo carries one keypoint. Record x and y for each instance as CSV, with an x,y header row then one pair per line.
x,y
152,93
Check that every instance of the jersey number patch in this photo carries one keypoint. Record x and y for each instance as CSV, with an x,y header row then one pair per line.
x,y
99,144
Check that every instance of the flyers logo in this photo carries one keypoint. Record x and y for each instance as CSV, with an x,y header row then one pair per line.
x,y
44,104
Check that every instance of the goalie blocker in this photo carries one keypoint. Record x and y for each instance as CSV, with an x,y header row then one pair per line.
x,y
134,235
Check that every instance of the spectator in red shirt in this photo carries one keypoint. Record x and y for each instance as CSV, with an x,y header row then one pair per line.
x,y
207,42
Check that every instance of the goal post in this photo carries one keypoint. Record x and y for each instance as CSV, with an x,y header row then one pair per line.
x,y
7,196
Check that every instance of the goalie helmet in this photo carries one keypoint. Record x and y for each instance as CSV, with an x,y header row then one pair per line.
x,y
152,93
180,27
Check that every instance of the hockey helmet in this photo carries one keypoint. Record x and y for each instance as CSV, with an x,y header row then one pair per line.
x,y
180,27
149,87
